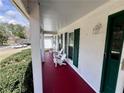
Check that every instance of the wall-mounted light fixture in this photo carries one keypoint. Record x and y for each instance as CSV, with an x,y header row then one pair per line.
x,y
97,28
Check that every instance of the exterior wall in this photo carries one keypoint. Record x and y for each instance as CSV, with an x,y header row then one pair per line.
x,y
92,45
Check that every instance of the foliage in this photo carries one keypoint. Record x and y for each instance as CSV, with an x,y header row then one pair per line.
x,y
15,29
16,73
20,34
3,38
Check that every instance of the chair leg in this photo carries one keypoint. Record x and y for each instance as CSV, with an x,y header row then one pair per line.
x,y
62,64
55,64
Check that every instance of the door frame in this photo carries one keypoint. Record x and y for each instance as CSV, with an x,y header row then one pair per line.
x,y
106,49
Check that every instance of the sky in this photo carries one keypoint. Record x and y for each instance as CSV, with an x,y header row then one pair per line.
x,y
9,14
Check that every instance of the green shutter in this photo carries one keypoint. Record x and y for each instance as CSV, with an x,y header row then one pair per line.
x,y
76,47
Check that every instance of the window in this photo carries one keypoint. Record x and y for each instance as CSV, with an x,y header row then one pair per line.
x,y
71,39
71,45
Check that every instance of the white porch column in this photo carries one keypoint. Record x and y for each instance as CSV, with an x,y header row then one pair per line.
x,y
35,45
52,38
42,46
57,44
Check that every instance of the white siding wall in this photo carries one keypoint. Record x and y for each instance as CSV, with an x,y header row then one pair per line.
x,y
92,46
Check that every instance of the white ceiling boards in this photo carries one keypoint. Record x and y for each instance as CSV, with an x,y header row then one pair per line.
x,y
55,14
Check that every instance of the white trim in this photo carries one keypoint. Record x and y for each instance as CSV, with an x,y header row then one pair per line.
x,y
70,62
20,6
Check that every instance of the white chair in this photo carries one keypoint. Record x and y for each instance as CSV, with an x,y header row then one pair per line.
x,y
59,61
59,53
55,61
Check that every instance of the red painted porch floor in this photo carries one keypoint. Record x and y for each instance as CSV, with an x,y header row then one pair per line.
x,y
62,79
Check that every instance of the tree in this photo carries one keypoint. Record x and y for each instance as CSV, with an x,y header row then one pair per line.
x,y
3,38
20,34
17,30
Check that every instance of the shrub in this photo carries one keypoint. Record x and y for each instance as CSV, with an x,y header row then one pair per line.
x,y
16,73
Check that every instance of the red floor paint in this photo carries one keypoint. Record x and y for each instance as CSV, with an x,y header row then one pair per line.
x,y
62,79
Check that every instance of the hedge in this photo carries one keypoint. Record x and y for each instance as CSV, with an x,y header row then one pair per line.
x,y
16,73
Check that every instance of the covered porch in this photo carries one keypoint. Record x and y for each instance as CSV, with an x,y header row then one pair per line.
x,y
80,28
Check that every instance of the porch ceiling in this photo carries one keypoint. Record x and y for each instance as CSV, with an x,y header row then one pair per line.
x,y
56,14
